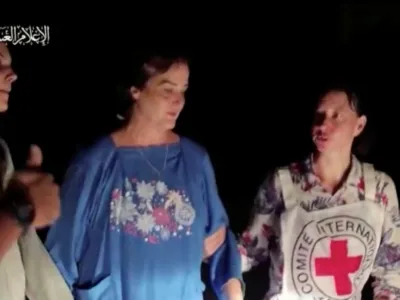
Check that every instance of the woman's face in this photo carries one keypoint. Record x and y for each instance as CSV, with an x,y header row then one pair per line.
x,y
162,99
336,123
7,76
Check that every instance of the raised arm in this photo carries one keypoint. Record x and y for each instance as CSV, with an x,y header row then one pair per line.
x,y
255,240
386,270
30,199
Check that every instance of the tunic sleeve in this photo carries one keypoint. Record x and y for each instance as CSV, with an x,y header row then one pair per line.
x,y
225,262
387,264
255,240
66,240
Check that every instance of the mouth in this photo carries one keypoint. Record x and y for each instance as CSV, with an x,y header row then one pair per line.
x,y
321,139
172,114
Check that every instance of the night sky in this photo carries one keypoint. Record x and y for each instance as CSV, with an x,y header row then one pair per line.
x,y
257,76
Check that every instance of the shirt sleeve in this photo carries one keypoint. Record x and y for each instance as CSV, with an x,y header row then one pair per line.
x,y
386,270
256,239
66,240
224,263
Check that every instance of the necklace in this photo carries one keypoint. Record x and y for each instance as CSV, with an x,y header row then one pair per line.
x,y
151,165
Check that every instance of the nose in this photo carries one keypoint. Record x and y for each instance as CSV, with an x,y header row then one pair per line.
x,y
179,99
326,126
11,76
323,123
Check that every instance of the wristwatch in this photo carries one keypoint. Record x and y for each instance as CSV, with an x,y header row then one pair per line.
x,y
16,203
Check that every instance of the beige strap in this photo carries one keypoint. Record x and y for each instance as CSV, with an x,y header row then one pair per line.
x,y
288,188
9,164
369,181
43,279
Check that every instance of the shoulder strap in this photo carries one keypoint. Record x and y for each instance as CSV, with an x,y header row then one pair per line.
x,y
287,187
7,164
369,181
43,279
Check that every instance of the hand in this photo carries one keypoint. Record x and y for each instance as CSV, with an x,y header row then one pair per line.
x,y
213,242
42,190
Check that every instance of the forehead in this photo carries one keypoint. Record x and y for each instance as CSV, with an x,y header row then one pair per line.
x,y
4,52
334,100
178,74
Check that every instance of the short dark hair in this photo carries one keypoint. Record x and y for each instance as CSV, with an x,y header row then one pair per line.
x,y
352,97
362,143
142,66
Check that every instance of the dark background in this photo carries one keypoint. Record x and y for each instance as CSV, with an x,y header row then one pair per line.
x,y
251,88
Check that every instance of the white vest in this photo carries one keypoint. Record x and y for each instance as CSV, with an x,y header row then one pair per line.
x,y
27,269
329,253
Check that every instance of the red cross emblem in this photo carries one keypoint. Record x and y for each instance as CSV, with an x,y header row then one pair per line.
x,y
339,266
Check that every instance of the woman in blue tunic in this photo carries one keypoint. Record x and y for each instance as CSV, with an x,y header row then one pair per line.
x,y
139,205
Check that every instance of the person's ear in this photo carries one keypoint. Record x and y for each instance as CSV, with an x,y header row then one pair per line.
x,y
361,123
135,93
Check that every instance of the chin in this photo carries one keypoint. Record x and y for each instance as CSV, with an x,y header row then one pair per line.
x,y
3,105
321,147
169,125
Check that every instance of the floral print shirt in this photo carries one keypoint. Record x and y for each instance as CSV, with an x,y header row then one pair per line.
x,y
261,239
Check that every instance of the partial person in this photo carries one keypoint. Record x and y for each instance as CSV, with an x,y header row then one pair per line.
x,y
140,207
29,199
329,222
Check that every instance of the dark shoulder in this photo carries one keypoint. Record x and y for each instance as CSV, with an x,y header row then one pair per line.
x,y
196,157
94,154
193,148
192,144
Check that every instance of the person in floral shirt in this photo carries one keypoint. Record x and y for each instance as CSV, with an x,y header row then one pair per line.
x,y
329,222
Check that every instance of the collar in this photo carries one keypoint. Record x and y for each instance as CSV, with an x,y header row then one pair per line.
x,y
312,179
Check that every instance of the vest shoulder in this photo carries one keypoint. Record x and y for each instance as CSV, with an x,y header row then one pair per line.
x,y
378,173
382,176
292,167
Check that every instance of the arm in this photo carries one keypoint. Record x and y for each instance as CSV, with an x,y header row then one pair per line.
x,y
29,200
224,263
9,233
255,241
386,270
213,242
17,214
66,240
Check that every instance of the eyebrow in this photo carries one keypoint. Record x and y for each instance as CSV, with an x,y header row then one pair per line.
x,y
166,81
342,107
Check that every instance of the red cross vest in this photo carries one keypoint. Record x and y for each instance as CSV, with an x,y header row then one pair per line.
x,y
329,254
